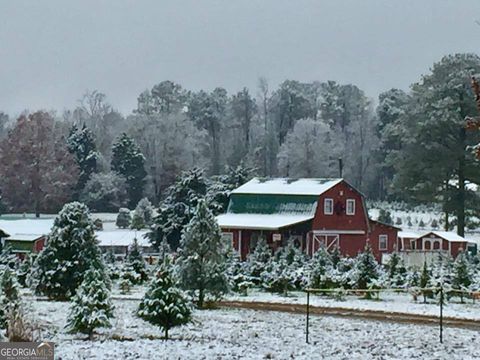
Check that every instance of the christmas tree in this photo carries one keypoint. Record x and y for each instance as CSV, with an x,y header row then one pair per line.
x,y
164,304
9,296
321,263
365,270
258,259
91,307
202,254
123,218
72,248
129,162
461,274
136,261
425,281
178,208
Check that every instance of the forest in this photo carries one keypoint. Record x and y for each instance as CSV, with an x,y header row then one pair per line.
x,y
409,146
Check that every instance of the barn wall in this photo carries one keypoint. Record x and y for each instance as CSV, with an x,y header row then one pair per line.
x,y
339,220
378,229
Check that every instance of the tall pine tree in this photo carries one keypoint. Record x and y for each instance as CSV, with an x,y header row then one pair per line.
x,y
72,248
129,162
178,208
81,144
202,256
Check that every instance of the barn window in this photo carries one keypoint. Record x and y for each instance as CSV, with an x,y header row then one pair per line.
x,y
350,206
413,244
383,242
427,245
436,245
328,207
227,237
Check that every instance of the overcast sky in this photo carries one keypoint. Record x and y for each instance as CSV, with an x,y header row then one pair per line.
x,y
51,51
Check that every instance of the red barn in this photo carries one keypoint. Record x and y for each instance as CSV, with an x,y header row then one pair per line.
x,y
309,212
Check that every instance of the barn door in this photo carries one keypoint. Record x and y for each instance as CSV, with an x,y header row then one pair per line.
x,y
328,241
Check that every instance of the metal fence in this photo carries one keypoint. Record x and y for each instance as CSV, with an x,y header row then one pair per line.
x,y
440,291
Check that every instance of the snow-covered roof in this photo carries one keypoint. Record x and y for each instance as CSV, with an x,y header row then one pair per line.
x,y
260,221
121,237
26,229
287,186
447,235
408,235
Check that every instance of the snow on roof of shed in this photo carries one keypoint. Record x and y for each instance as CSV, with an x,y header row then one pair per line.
x,y
408,234
121,237
447,235
287,186
260,221
26,229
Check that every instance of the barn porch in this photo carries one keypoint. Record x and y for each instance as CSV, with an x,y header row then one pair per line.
x,y
244,232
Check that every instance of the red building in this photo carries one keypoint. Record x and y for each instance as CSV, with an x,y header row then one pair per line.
x,y
309,212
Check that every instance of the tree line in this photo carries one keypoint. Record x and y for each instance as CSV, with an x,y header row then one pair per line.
x,y
407,145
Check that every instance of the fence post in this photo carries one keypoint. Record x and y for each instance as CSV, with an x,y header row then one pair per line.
x,y
441,314
308,313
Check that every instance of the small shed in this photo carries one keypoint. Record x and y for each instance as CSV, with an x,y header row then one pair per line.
x,y
442,241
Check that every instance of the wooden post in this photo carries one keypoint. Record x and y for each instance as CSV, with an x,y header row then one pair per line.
x,y
308,314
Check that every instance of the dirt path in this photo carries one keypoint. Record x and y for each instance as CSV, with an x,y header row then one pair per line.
x,y
354,313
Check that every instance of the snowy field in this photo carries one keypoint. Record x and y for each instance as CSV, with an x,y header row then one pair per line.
x,y
389,303
248,334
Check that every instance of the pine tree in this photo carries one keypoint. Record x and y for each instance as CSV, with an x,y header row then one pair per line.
x,y
129,162
81,144
123,218
434,224
461,274
72,248
201,260
239,279
136,261
366,269
178,208
23,271
91,307
385,217
9,297
277,276
320,264
164,304
425,281
258,259
137,221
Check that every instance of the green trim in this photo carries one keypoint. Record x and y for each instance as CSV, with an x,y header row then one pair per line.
x,y
16,245
272,204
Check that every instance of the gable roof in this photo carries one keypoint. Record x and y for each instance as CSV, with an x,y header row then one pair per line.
x,y
287,186
447,235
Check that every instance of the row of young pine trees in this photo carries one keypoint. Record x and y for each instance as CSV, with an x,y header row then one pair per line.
x,y
71,268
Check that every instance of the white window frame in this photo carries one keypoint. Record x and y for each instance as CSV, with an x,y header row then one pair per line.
x,y
352,202
328,200
380,237
227,235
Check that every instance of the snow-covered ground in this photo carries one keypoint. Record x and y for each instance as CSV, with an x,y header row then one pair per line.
x,y
249,334
389,302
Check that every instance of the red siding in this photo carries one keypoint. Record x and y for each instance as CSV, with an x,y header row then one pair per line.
x,y
339,220
378,229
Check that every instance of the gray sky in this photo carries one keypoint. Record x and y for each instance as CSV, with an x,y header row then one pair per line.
x,y
51,51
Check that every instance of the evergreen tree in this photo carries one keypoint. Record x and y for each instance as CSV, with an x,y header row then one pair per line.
x,y
137,221
320,264
91,307
277,276
9,296
129,162
365,270
123,218
425,281
23,271
461,274
239,279
136,261
385,217
201,260
178,208
71,249
81,144
164,304
258,259
144,212
434,224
